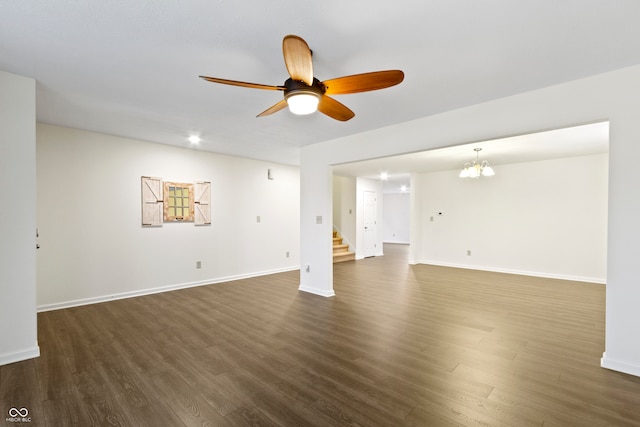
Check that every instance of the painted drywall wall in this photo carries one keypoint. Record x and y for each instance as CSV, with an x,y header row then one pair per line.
x,y
544,218
316,187
18,320
613,96
344,209
93,246
396,214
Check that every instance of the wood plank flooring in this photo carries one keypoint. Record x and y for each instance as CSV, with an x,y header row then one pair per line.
x,y
398,345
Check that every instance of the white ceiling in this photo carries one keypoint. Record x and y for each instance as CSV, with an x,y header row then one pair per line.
x,y
559,143
131,68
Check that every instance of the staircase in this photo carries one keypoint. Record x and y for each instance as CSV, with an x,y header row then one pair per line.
x,y
341,252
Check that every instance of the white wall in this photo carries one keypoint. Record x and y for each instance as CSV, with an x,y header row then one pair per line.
x,y
545,218
93,246
396,218
344,209
18,320
613,96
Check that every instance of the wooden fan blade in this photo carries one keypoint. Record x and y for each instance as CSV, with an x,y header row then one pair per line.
x,y
297,58
335,109
363,82
243,84
273,109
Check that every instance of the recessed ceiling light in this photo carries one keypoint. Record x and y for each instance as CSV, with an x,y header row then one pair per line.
x,y
384,176
194,139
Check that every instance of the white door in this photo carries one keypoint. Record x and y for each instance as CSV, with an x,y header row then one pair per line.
x,y
369,223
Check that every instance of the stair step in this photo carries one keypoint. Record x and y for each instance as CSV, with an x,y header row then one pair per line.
x,y
343,256
340,248
341,251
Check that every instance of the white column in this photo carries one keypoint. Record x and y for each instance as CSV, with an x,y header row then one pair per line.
x,y
622,335
18,318
316,224
415,221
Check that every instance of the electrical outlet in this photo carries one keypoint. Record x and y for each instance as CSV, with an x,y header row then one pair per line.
x,y
287,254
308,269
198,264
258,218
468,252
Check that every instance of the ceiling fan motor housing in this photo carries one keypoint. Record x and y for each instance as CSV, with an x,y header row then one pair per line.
x,y
294,87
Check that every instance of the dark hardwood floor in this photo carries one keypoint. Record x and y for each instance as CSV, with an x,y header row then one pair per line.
x,y
398,345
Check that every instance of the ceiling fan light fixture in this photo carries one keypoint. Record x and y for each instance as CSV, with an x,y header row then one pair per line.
x,y
302,103
305,94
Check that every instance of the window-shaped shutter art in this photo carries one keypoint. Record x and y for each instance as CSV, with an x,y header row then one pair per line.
x,y
152,207
202,202
178,202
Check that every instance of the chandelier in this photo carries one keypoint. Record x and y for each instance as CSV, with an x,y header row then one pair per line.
x,y
476,168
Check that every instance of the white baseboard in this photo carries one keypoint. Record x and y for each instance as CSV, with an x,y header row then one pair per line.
x,y
149,291
598,280
321,292
357,258
19,356
616,365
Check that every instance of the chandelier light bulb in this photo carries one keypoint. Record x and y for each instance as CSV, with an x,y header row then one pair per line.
x,y
488,171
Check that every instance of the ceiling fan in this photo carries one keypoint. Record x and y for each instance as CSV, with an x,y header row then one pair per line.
x,y
304,94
